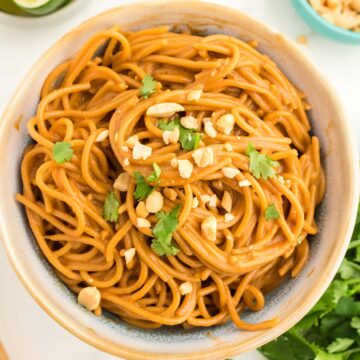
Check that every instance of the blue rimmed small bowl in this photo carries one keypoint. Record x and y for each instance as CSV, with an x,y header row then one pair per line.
x,y
324,27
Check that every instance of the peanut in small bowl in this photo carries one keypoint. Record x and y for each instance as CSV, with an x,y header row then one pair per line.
x,y
330,24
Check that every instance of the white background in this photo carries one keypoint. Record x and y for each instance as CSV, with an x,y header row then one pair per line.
x,y
26,331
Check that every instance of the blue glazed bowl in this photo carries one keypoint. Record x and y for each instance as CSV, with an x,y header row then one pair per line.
x,y
324,27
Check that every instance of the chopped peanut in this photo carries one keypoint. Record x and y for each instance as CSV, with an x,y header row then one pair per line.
x,y
143,223
174,163
209,128
154,202
124,148
195,202
141,151
229,217
228,147
171,136
194,95
208,227
244,183
226,123
89,297
205,198
189,122
226,201
230,172
185,168
355,5
342,13
164,109
102,136
132,141
203,157
129,255
141,211
213,200
122,182
126,162
170,194
185,288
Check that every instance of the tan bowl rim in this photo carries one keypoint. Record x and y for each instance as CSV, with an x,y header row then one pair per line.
x,y
233,348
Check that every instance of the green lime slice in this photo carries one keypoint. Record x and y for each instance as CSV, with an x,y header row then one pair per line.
x,y
8,6
40,7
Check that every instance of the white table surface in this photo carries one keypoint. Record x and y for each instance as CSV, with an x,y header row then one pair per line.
x,y
26,331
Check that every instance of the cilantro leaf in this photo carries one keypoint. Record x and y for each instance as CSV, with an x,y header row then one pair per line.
x,y
347,306
339,345
349,270
271,213
321,355
330,321
331,330
111,207
148,86
290,346
62,152
168,125
260,165
163,230
143,189
155,175
355,323
189,138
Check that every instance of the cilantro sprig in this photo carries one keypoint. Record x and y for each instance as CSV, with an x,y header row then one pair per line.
x,y
155,175
143,189
148,86
271,213
331,330
260,165
111,207
189,138
62,152
163,230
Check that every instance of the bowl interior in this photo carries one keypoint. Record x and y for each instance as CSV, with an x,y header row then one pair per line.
x,y
327,248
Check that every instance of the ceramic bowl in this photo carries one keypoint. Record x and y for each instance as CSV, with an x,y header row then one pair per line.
x,y
324,27
292,300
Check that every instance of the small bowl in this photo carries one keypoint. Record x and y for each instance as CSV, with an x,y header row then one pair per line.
x,y
292,300
324,27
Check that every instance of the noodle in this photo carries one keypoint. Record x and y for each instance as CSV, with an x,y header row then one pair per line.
x,y
94,103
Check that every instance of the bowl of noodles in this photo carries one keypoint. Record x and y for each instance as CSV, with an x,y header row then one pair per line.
x,y
175,181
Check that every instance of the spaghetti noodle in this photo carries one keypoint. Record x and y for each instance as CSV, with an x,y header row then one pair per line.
x,y
202,147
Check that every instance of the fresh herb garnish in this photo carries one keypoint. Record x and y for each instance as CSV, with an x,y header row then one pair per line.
x,y
143,189
155,175
111,207
62,152
271,213
189,138
331,330
260,165
148,86
163,230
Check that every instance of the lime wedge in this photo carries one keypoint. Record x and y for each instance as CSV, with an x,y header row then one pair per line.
x,y
40,7
9,7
